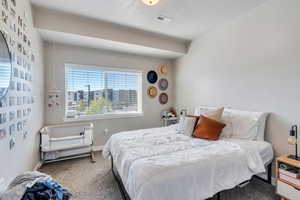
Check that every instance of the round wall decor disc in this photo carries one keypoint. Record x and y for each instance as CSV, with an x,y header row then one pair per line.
x,y
163,84
152,77
163,98
163,69
152,92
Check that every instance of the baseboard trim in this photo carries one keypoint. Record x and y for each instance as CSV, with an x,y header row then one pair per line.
x,y
98,148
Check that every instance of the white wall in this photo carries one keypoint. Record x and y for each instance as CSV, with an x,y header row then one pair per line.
x,y
57,55
24,156
252,63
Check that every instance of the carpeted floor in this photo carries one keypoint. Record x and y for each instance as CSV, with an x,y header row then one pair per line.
x,y
94,181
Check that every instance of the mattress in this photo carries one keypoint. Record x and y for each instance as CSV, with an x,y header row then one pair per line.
x,y
161,164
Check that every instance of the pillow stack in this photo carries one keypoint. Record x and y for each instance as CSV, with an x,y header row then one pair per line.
x,y
206,126
245,125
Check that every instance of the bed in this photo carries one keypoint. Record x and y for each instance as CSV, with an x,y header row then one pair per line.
x,y
161,164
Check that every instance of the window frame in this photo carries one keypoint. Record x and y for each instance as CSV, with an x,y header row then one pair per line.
x,y
139,113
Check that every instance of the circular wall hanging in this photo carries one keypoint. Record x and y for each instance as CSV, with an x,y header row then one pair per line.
x,y
152,92
152,77
163,69
163,84
163,98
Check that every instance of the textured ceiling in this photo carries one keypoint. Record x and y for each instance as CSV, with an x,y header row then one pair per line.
x,y
190,18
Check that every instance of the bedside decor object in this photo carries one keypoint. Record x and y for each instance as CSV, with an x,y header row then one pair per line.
x,y
152,92
5,66
183,112
163,98
163,84
152,77
293,140
173,111
163,69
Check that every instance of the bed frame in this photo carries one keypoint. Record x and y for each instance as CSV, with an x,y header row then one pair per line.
x,y
125,195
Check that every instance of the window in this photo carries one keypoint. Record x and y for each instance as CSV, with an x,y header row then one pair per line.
x,y
95,92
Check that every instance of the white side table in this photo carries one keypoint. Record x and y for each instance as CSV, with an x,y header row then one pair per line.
x,y
169,121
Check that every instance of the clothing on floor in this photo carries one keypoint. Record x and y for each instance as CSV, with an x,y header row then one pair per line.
x,y
18,186
28,182
48,190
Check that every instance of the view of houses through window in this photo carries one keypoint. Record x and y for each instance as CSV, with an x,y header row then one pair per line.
x,y
101,91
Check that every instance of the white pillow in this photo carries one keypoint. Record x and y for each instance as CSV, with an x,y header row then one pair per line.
x,y
226,119
262,127
247,125
186,125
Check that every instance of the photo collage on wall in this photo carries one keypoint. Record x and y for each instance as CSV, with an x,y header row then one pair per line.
x,y
16,106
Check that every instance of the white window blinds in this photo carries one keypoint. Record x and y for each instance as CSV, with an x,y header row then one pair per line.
x,y
100,91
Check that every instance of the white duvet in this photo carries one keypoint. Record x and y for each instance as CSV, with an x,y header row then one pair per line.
x,y
159,164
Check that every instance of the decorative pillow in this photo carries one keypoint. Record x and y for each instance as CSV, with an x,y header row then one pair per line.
x,y
228,130
209,129
215,114
247,125
187,124
226,119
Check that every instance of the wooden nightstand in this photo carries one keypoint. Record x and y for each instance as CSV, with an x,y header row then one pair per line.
x,y
285,188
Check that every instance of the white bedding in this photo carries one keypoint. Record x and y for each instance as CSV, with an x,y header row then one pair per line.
x,y
161,164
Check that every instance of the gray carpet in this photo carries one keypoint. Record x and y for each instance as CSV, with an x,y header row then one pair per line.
x,y
94,181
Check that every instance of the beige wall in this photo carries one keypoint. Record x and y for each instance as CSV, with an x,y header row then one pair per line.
x,y
252,63
57,55
24,156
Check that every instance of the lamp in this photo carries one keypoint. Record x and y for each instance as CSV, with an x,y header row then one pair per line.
x,y
150,2
293,140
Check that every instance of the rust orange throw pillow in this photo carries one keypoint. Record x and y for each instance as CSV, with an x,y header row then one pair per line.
x,y
209,129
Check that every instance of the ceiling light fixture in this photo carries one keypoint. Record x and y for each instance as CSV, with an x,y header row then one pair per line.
x,y
150,2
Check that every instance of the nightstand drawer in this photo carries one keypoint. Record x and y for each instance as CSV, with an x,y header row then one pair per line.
x,y
287,191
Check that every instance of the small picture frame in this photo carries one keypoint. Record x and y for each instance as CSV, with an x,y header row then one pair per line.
x,y
11,101
16,72
12,85
25,134
14,3
24,113
4,17
22,74
19,86
3,118
5,4
19,114
12,143
12,115
25,100
19,101
3,102
19,126
19,60
3,133
12,129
